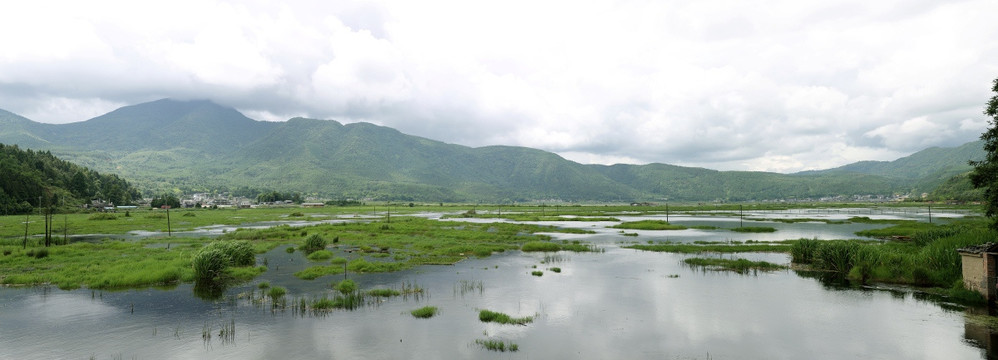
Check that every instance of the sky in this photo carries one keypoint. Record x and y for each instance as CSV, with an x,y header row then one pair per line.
x,y
780,85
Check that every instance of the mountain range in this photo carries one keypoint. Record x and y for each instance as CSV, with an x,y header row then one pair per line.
x,y
200,146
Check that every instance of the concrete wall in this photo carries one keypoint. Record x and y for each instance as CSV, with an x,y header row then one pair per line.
x,y
975,273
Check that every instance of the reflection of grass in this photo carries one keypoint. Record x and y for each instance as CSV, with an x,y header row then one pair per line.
x,y
500,318
648,225
738,265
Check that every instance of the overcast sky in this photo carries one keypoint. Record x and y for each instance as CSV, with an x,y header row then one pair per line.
x,y
778,86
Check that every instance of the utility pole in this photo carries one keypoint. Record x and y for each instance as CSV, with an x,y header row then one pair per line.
x,y
169,231
666,212
741,216
930,214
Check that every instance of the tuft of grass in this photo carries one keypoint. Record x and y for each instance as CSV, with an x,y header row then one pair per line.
x,y
537,273
555,269
277,292
425,312
648,225
754,229
740,266
500,318
497,345
313,243
102,216
384,292
263,285
315,272
346,286
320,255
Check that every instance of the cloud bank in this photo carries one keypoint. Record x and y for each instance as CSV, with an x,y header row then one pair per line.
x,y
732,85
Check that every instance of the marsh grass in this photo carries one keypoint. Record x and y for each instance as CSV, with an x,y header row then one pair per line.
x,y
754,229
740,266
501,318
320,255
537,273
425,312
313,243
547,246
464,287
685,248
648,225
555,269
497,345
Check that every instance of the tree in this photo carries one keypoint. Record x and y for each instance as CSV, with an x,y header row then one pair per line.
x,y
985,174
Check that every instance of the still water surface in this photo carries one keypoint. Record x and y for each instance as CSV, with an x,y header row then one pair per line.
x,y
619,304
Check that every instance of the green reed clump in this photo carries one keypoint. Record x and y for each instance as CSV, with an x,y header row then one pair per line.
x,y
555,269
277,292
802,251
346,286
209,262
500,318
320,255
537,273
425,312
312,243
384,292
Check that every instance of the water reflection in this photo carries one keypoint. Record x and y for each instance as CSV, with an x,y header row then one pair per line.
x,y
619,304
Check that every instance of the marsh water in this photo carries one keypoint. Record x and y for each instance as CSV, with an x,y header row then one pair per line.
x,y
620,303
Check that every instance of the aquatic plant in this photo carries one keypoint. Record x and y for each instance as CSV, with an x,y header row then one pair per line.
x,y
754,229
802,251
208,264
425,312
314,242
320,255
497,345
740,266
263,285
648,225
277,292
537,273
346,286
384,292
555,269
501,318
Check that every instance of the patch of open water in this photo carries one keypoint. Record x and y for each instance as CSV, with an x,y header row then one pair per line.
x,y
619,304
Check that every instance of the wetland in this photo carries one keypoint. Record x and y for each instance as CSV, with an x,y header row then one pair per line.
x,y
449,283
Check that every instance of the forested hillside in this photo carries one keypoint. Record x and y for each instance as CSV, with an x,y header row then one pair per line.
x,y
29,179
170,146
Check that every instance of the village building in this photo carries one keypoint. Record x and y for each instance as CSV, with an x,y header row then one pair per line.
x,y
980,269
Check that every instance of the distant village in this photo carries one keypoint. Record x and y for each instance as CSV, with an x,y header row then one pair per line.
x,y
225,201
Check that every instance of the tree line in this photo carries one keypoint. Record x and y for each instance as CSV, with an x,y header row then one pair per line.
x,y
32,179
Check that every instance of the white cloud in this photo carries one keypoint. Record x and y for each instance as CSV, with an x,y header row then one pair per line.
x,y
782,86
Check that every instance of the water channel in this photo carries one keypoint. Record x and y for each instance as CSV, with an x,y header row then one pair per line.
x,y
620,303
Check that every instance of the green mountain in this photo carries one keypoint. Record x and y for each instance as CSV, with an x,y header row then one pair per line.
x,y
200,146
31,179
